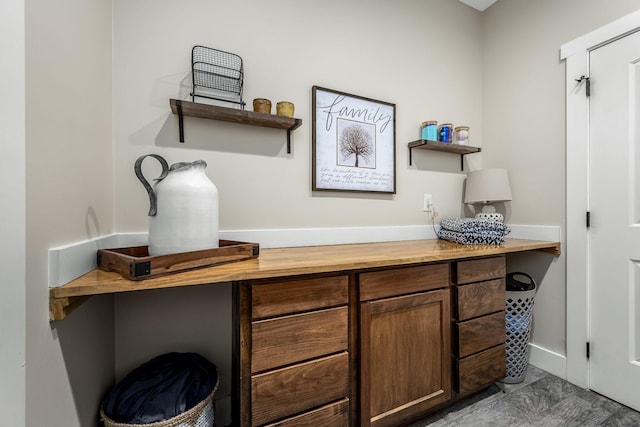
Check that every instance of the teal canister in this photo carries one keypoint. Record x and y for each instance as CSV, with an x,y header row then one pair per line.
x,y
430,130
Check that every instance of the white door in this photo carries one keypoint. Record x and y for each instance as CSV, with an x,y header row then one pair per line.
x,y
614,235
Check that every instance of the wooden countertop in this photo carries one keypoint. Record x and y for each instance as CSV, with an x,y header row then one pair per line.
x,y
284,262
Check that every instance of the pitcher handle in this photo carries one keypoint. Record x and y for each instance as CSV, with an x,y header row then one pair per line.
x,y
153,201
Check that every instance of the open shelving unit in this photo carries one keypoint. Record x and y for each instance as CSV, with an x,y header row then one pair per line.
x,y
426,144
206,111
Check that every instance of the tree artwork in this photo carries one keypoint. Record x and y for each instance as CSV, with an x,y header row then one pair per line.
x,y
355,141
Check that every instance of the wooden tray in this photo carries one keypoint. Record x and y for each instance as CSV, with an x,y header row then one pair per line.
x,y
134,263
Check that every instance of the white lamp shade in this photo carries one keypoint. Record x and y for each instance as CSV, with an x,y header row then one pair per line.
x,y
487,185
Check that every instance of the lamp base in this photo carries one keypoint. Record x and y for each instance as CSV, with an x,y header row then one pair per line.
x,y
489,213
490,216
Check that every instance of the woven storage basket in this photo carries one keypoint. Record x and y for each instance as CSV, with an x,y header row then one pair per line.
x,y
201,415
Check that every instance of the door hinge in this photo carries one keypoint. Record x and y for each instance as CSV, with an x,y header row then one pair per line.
x,y
588,350
587,81
588,219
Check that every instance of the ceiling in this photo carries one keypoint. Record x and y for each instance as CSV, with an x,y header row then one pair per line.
x,y
481,5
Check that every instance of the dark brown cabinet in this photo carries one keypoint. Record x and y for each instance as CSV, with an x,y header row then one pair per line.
x,y
294,352
405,343
380,347
479,328
366,345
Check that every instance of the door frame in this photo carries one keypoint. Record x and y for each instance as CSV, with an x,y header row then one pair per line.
x,y
13,248
576,56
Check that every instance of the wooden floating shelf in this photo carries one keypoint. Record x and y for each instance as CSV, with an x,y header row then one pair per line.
x,y
426,144
206,111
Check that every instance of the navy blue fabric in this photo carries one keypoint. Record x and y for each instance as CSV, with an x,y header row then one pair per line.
x,y
161,388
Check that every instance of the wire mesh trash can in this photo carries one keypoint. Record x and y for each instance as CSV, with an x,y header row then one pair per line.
x,y
518,321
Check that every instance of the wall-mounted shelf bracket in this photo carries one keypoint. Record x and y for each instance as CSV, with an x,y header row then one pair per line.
x,y
61,307
425,144
206,111
180,121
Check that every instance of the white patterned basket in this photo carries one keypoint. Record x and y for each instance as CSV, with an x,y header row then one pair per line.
x,y
201,415
518,320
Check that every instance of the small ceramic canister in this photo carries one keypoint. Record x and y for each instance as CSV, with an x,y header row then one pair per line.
x,y
262,105
284,108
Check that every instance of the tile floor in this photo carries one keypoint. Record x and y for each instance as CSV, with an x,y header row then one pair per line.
x,y
541,399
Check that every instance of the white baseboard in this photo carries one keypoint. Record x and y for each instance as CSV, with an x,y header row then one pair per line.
x,y
72,261
292,237
550,233
547,360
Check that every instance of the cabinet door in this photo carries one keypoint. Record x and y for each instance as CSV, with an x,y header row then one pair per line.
x,y
405,356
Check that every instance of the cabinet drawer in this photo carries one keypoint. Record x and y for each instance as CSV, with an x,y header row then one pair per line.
x,y
275,299
290,339
477,299
480,269
294,389
481,369
399,281
480,333
333,415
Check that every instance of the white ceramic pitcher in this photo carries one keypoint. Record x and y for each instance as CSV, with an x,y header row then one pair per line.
x,y
183,212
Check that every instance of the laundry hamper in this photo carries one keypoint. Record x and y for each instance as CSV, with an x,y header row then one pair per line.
x,y
171,390
518,321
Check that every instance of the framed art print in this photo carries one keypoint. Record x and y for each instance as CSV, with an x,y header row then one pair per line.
x,y
354,143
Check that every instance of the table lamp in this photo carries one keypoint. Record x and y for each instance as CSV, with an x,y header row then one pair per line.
x,y
488,186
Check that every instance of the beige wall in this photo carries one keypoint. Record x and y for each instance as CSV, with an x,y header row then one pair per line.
x,y
69,198
524,122
423,56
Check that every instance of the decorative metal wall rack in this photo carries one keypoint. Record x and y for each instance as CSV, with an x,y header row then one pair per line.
x,y
217,75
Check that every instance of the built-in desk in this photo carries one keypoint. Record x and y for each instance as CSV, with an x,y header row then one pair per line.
x,y
359,334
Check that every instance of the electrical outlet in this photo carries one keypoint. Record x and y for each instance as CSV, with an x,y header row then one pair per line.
x,y
427,203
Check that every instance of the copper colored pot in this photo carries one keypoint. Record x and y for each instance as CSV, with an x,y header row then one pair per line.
x,y
284,108
262,105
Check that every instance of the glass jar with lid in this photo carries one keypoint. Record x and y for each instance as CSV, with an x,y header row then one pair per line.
x,y
461,135
445,133
430,130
